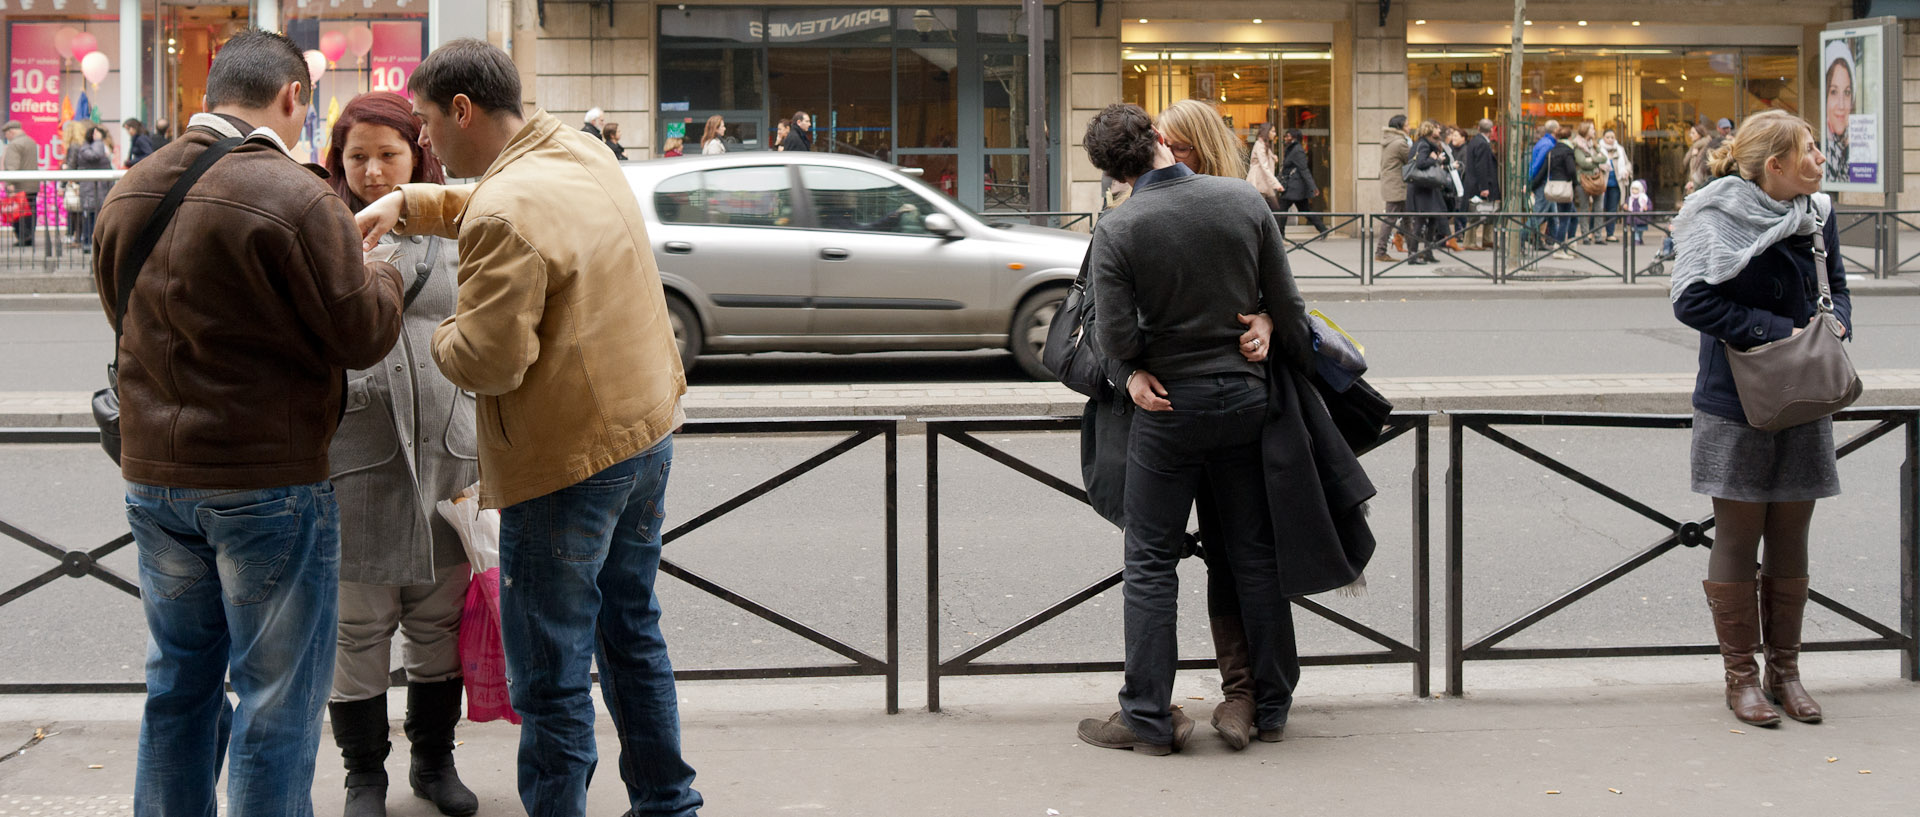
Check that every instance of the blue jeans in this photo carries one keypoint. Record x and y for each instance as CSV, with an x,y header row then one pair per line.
x,y
1210,439
242,582
1611,206
577,570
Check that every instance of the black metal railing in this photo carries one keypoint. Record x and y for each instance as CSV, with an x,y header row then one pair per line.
x,y
1679,533
967,662
859,663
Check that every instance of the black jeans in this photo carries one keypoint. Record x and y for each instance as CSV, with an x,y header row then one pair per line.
x,y
23,226
1211,437
1301,205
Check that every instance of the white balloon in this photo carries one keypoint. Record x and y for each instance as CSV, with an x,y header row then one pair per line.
x,y
94,66
316,65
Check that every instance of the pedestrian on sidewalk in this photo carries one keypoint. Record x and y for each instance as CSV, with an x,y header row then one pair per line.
x,y
22,154
1540,231
1261,167
94,154
712,143
1590,162
561,328
406,442
1638,202
1558,166
1173,272
1481,175
1744,277
237,336
1619,175
139,144
1297,187
1428,203
1395,145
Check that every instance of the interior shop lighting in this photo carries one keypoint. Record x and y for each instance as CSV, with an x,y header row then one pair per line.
x,y
1583,22
1143,21
1257,21
1419,22
1578,78
1636,22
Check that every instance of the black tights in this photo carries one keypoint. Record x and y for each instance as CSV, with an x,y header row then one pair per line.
x,y
1739,528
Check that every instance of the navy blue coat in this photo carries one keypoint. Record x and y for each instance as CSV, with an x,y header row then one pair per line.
x,y
1769,299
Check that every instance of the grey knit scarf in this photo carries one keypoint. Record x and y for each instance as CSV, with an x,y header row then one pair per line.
x,y
1723,225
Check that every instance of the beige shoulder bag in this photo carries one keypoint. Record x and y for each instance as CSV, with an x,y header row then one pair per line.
x,y
1803,377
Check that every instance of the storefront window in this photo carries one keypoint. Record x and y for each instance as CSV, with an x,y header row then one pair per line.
x,y
1647,96
1289,87
941,89
374,45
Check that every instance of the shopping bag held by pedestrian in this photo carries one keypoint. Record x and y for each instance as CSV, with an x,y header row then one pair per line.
x,y
106,402
483,656
1801,378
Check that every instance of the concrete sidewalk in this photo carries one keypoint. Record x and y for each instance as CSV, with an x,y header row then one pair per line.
x,y
1597,740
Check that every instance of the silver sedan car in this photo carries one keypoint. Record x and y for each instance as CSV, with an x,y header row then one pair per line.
x,y
815,252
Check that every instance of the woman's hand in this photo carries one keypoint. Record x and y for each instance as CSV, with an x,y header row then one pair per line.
x,y
1146,391
1258,339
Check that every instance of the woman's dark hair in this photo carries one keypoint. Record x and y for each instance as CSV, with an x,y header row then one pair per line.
x,y
1294,134
251,69
612,132
1398,122
1263,132
93,129
1119,141
378,108
468,66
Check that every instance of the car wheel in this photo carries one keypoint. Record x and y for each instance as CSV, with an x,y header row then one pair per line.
x,y
1031,322
686,331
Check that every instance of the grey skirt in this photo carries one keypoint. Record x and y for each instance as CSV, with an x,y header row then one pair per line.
x,y
1733,460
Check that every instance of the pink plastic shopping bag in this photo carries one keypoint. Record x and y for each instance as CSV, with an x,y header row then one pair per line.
x,y
483,660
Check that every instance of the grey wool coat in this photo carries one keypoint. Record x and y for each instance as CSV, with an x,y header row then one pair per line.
x,y
406,442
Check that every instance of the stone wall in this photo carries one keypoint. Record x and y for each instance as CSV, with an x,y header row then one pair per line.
x,y
1091,83
580,61
1379,92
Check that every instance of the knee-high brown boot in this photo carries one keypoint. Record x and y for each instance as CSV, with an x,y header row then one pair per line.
x,y
1736,620
1783,603
1233,718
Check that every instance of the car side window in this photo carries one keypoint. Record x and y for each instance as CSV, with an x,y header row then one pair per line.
x,y
748,196
681,200
751,196
846,199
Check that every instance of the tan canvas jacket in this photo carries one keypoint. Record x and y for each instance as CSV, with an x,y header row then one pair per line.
x,y
561,323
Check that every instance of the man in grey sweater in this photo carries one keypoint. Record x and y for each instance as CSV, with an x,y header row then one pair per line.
x,y
1174,270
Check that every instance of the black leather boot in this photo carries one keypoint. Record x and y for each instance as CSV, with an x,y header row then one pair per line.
x,y
432,711
361,731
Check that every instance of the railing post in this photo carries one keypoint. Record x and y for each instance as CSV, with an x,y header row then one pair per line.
x,y
933,567
1366,249
1422,518
893,567
1456,561
1910,550
1626,246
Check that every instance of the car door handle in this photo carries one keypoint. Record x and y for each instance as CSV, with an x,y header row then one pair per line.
x,y
679,247
835,254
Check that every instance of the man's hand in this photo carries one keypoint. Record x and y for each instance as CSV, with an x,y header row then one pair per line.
x,y
379,218
1258,339
1147,392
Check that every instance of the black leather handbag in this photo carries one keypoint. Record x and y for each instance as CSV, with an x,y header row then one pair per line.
x,y
106,402
1070,352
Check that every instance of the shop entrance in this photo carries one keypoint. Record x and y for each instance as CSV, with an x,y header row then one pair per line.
x,y
1289,86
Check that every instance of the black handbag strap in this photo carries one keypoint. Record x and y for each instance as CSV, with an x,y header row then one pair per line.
x,y
1822,265
156,226
422,271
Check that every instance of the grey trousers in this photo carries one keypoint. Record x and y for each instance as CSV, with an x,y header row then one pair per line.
x,y
1388,225
427,616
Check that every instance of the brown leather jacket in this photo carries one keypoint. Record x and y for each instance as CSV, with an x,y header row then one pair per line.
x,y
243,321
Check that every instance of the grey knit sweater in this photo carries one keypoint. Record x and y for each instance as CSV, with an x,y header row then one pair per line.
x,y
1174,264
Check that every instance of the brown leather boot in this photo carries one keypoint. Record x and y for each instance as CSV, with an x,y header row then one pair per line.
x,y
1736,620
1233,718
1783,603
1399,243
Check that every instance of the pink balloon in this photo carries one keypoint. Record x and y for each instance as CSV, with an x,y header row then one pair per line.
x,y
94,67
316,65
334,45
360,40
63,40
83,44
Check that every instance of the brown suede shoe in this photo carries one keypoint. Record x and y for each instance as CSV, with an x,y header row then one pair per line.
x,y
1274,735
1736,620
1783,603
1113,733
1384,258
1233,718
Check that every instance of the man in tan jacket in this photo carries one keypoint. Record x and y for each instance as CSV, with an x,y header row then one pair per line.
x,y
561,328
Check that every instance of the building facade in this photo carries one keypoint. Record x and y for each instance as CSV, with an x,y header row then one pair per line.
x,y
944,87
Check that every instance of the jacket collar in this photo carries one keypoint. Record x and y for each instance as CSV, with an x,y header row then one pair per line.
x,y
539,128
1165,174
229,127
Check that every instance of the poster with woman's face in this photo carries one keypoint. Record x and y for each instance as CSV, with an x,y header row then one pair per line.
x,y
1852,99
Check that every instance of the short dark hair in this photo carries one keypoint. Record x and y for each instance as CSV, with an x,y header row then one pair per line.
x,y
468,66
251,69
1398,122
133,125
1120,141
1294,134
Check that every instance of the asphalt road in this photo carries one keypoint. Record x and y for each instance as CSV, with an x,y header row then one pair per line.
x,y
67,351
814,549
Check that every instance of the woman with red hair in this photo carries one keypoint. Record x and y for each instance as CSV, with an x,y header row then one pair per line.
x,y
405,442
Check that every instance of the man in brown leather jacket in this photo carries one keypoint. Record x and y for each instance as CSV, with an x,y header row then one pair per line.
x,y
239,329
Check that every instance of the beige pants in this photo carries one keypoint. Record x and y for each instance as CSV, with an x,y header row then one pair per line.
x,y
428,619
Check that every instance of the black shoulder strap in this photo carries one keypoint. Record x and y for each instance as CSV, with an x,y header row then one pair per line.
x,y
157,225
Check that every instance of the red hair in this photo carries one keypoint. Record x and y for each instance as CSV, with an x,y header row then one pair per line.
x,y
378,108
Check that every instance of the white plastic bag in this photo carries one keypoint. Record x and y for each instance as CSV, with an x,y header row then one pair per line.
x,y
479,529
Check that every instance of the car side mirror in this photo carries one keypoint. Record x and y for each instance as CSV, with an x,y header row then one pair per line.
x,y
942,225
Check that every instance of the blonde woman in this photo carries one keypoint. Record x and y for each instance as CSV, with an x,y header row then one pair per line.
x,y
1746,254
1201,140
710,142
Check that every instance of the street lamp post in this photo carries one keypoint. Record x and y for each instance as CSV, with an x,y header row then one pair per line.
x,y
1037,198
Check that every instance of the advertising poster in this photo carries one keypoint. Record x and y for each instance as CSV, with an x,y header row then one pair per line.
x,y
33,82
1853,107
396,52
